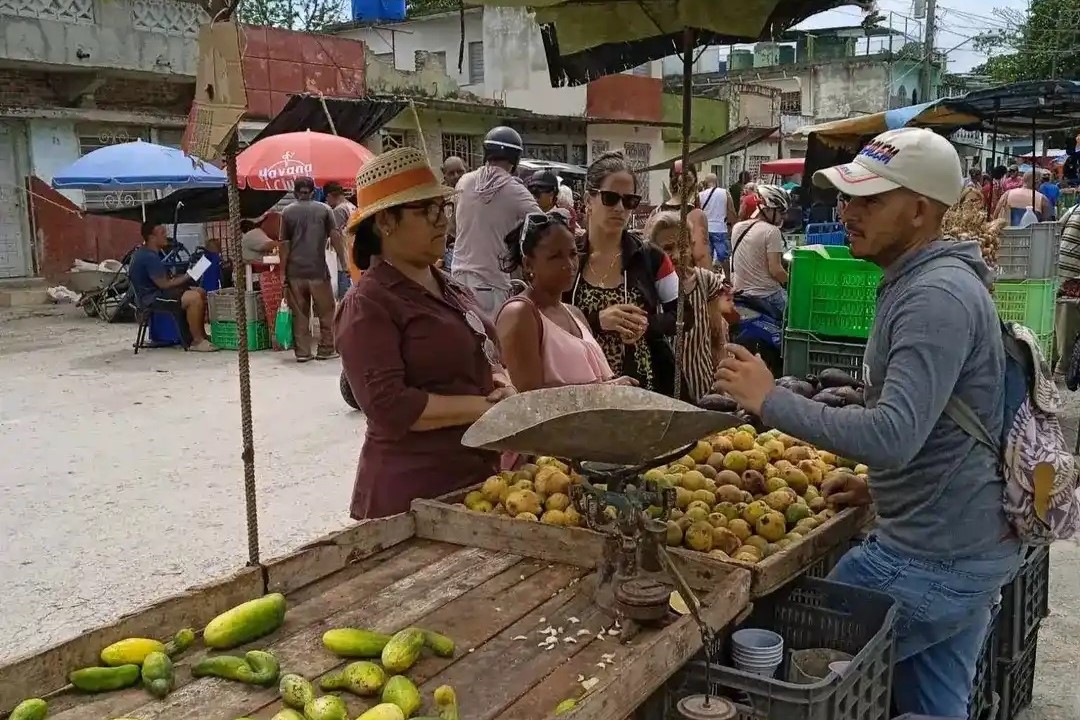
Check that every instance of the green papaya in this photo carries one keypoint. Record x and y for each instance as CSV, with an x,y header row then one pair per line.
x,y
383,711
400,691
403,650
439,644
180,642
245,622
355,642
30,709
104,679
288,714
157,674
327,707
360,678
295,691
255,668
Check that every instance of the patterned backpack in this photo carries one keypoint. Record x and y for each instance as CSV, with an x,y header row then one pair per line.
x,y
1040,473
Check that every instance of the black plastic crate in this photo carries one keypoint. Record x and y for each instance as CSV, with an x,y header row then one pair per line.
x,y
811,613
983,705
1016,682
1024,603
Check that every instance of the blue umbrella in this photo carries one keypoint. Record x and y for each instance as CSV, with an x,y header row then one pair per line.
x,y
137,166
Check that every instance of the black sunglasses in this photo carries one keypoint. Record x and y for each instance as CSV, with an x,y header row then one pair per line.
x,y
539,221
610,198
432,208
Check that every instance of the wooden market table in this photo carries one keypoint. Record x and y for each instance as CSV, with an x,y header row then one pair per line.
x,y
486,585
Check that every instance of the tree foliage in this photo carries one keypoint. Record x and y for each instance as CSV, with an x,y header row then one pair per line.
x,y
1040,43
416,8
307,15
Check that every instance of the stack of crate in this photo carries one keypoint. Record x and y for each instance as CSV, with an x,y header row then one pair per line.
x,y
1025,288
224,331
832,298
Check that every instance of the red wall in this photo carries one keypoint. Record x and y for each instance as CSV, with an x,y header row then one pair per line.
x,y
624,97
63,232
279,62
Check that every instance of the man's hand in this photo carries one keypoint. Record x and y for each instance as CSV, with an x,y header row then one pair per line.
x,y
501,393
745,378
845,490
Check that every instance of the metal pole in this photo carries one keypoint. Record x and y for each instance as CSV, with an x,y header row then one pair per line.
x,y
993,160
685,262
239,283
928,50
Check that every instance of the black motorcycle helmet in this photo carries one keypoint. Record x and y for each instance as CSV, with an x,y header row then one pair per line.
x,y
503,143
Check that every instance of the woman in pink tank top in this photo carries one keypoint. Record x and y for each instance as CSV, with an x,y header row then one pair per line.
x,y
543,341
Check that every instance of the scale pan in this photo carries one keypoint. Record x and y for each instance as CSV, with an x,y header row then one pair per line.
x,y
602,423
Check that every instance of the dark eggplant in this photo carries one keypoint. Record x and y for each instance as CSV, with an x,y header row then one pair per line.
x,y
787,380
832,378
802,388
849,395
719,403
829,397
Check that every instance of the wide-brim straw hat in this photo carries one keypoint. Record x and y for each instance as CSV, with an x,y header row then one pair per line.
x,y
397,177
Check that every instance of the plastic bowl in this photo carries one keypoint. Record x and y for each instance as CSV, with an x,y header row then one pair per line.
x,y
758,658
755,639
763,671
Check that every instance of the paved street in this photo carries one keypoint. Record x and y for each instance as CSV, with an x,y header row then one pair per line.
x,y
122,481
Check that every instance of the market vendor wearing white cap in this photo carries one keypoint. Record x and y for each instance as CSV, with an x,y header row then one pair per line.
x,y
942,547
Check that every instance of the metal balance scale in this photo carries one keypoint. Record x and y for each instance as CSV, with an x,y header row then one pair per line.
x,y
614,434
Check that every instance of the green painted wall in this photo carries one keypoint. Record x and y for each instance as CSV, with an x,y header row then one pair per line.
x,y
708,118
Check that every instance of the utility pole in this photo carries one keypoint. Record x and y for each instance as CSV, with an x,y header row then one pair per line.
x,y
928,51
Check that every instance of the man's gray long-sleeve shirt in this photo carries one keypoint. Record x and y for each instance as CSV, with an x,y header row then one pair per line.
x,y
936,333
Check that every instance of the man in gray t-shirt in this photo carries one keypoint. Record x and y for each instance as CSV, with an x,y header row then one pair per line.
x,y
306,225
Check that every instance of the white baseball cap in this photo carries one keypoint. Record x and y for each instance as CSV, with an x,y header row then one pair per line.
x,y
914,158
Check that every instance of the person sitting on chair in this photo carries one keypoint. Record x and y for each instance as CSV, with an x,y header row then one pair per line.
x,y
155,291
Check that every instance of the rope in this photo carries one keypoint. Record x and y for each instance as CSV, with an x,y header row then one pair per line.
x,y
239,282
419,128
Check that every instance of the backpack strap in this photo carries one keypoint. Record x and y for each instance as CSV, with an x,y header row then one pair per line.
x,y
961,413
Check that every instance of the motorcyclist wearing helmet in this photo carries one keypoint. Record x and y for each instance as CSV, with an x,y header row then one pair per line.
x,y
491,202
757,247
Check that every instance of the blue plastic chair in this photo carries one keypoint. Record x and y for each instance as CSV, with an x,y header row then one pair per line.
x,y
826,234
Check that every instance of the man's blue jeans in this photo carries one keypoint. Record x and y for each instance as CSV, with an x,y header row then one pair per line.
x,y
778,302
718,243
943,616
344,282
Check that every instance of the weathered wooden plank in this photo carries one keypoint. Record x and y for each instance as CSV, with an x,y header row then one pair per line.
x,y
396,606
504,669
438,520
331,553
47,670
382,570
637,669
577,546
475,617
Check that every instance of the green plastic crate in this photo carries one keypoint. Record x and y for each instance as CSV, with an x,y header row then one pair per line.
x,y
831,293
223,334
1028,302
807,354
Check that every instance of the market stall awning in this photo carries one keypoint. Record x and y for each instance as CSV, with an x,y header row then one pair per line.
x,y
1022,108
354,118
730,142
586,39
784,166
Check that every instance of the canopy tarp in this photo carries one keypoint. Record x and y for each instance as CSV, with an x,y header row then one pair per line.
x,y
586,39
354,118
783,166
733,141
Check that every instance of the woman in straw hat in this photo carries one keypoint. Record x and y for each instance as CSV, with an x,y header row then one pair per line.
x,y
418,353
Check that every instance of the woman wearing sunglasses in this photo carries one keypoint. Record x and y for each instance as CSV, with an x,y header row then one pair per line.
x,y
626,289
420,358
544,341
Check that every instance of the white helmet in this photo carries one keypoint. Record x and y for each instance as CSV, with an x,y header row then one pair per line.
x,y
772,197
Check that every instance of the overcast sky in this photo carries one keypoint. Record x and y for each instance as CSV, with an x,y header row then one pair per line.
x,y
958,21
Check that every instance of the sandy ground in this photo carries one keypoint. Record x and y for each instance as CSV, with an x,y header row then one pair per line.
x,y
122,481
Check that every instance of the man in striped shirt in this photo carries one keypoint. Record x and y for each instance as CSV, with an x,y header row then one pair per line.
x,y
1066,314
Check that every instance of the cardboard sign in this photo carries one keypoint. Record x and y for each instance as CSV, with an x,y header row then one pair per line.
x,y
220,95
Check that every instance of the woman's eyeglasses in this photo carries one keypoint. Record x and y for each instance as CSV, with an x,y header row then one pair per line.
x,y
475,324
433,209
610,198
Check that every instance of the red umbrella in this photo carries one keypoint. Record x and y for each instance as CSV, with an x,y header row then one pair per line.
x,y
784,166
273,163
